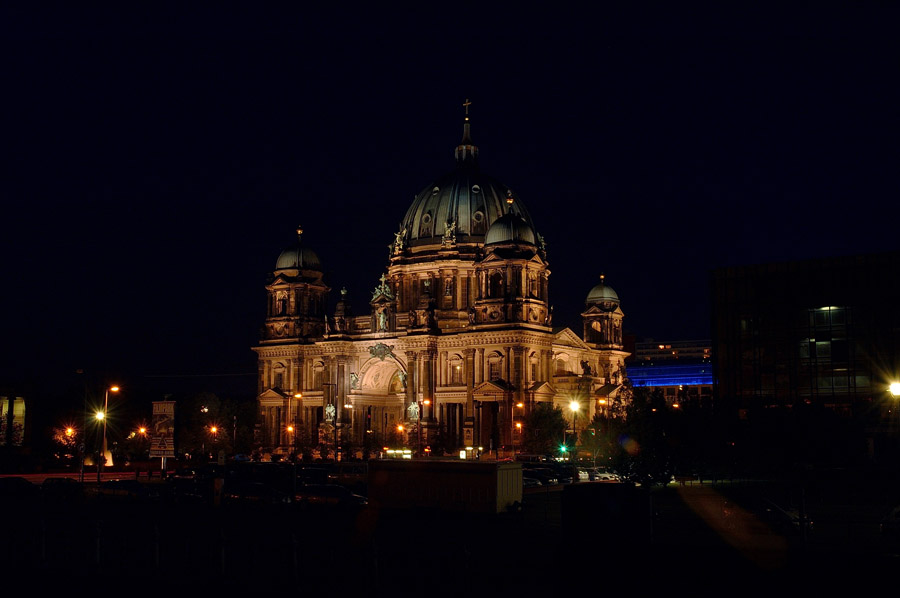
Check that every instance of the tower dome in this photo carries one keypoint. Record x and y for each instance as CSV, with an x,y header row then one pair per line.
x,y
462,204
603,296
510,228
298,257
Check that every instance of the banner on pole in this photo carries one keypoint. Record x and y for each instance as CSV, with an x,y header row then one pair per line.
x,y
162,440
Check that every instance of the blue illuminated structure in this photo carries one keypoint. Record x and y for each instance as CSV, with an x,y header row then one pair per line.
x,y
671,374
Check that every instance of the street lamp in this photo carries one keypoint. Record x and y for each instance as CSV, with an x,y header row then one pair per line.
x,y
290,431
100,416
103,418
332,400
574,406
894,389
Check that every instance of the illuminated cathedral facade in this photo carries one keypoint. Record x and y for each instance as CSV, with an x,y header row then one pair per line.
x,y
457,343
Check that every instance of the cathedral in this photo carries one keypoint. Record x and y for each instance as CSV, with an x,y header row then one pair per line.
x,y
458,344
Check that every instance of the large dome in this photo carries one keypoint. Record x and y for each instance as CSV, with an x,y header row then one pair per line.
x,y
463,203
298,257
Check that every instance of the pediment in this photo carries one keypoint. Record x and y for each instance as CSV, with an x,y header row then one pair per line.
x,y
542,389
272,394
596,311
568,338
496,387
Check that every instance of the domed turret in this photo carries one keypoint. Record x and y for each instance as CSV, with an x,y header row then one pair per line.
x,y
298,257
603,296
602,317
510,228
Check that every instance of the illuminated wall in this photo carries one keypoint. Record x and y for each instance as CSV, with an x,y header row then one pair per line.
x,y
12,421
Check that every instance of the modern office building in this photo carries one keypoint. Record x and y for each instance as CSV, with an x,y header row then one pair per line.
x,y
822,332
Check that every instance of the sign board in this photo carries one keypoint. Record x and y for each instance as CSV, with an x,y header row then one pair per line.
x,y
162,437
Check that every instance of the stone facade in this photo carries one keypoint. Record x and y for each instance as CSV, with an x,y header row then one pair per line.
x,y
457,344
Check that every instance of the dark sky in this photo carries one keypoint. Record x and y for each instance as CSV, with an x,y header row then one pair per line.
x,y
157,163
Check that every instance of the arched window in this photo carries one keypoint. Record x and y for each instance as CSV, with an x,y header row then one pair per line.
x,y
318,375
496,285
278,375
561,366
495,367
456,371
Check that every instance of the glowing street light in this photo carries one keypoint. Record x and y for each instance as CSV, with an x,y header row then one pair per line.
x,y
106,458
574,406
894,389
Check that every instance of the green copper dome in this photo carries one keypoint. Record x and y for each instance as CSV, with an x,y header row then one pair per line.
x,y
603,296
462,205
510,228
298,257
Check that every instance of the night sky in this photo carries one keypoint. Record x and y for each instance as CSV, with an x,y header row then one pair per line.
x,y
156,164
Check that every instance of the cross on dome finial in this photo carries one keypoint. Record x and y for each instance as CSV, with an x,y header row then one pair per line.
x,y
466,151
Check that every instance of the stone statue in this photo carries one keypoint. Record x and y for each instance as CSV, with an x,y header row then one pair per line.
x,y
412,411
329,412
471,315
450,233
412,318
354,380
382,319
398,240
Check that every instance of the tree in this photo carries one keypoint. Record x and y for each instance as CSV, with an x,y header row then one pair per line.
x,y
595,439
643,454
544,429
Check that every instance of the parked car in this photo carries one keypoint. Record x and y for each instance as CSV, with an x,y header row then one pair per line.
x,y
248,493
546,475
16,489
127,490
787,521
530,481
890,525
62,491
328,494
598,474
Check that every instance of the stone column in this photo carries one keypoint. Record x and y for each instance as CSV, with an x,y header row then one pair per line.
x,y
520,375
343,386
428,367
412,368
468,431
479,365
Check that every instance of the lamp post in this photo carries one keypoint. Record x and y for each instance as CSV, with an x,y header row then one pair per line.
x,y
894,389
604,403
332,400
109,389
574,406
214,430
100,416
